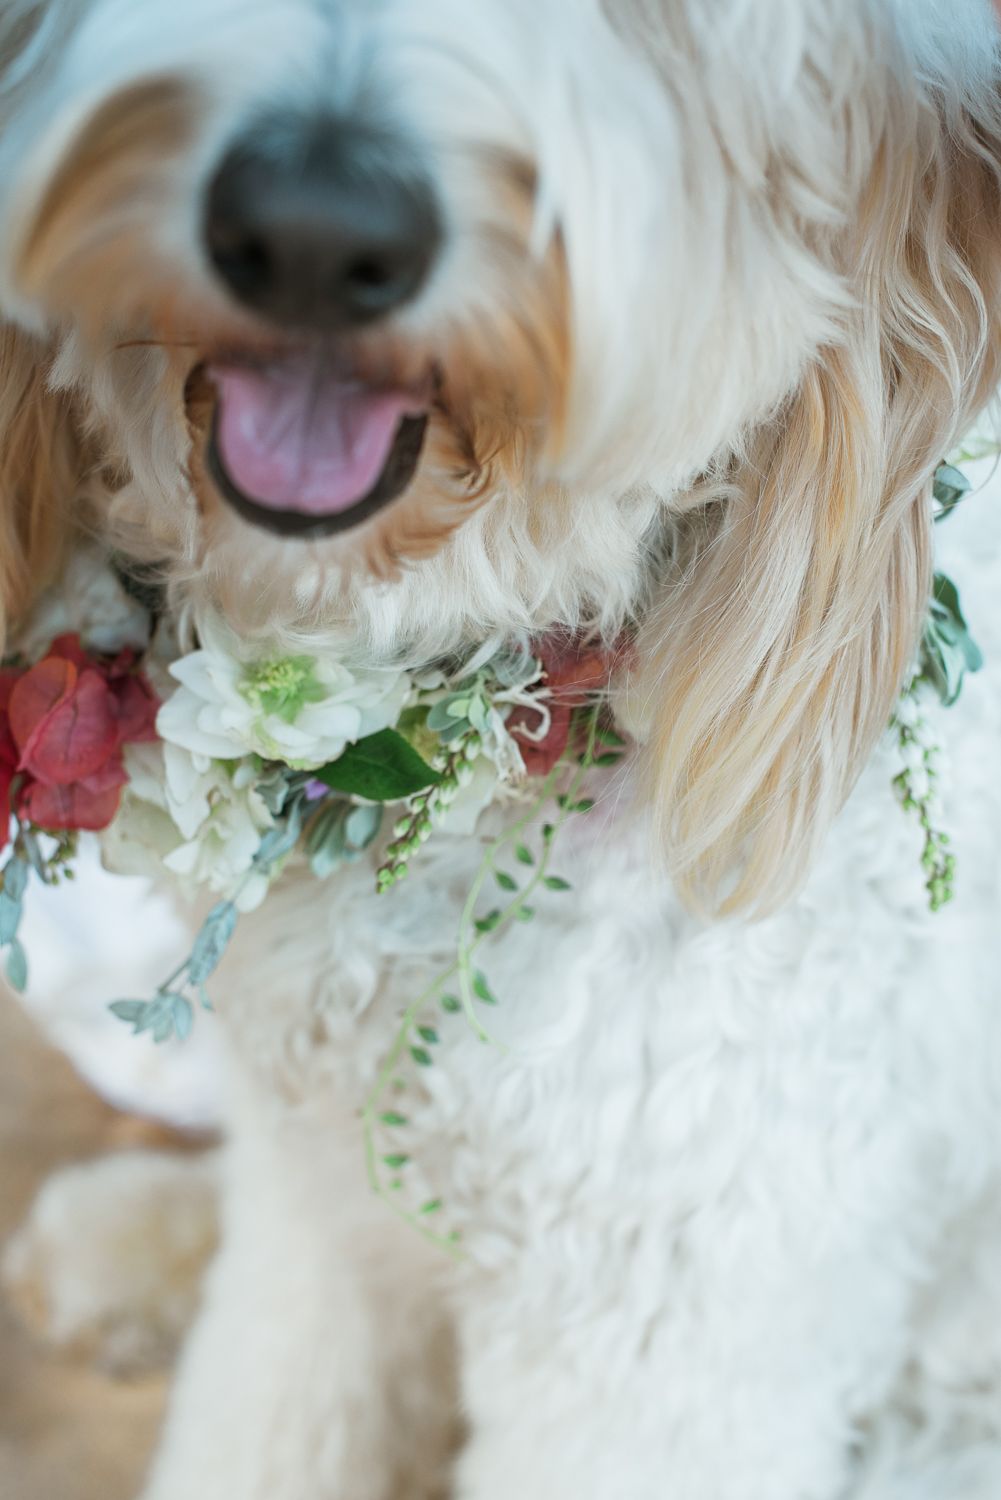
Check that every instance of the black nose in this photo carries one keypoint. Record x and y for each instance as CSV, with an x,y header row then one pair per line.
x,y
320,224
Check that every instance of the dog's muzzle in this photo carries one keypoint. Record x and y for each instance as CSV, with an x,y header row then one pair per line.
x,y
319,228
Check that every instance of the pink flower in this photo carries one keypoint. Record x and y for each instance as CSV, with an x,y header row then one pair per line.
x,y
575,673
63,725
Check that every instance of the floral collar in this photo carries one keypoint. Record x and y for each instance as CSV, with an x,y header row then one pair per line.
x,y
217,765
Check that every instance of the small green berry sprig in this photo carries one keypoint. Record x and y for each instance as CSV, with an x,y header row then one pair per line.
x,y
917,788
418,823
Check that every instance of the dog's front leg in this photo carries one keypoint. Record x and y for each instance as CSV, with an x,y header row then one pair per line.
x,y
320,1367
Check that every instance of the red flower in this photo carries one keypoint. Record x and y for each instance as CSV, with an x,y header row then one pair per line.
x,y
63,725
576,673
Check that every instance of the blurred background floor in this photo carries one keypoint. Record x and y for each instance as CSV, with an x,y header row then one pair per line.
x,y
66,1432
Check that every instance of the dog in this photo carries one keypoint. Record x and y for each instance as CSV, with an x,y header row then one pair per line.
x,y
651,317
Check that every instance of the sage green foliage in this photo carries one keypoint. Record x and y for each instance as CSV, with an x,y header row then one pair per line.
x,y
27,857
948,650
948,653
950,487
170,1014
340,833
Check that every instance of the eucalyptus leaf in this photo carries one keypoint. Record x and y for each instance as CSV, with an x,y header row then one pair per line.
x,y
183,1017
274,792
951,486
479,715
17,967
514,669
212,942
15,878
948,649
281,840
10,918
129,1011
362,827
326,840
442,716
381,768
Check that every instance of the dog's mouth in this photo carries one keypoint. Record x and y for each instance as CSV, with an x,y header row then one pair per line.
x,y
302,449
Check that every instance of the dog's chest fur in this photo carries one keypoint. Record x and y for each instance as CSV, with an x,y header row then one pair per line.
x,y
643,1063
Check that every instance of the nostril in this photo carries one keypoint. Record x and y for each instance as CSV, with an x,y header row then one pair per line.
x,y
370,274
243,262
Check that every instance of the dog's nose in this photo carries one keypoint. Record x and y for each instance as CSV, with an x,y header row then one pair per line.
x,y
320,224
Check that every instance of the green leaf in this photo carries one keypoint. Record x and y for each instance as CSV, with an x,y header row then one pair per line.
x,y
608,759
481,988
524,914
428,1034
10,918
950,487
212,942
422,1057
584,805
556,883
17,967
129,1011
434,1207
524,855
381,768
393,1119
362,827
281,840
396,1161
505,881
610,738
445,715
183,1017
948,649
15,878
452,1004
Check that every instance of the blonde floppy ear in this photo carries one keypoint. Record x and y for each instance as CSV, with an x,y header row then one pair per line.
x,y
40,470
776,653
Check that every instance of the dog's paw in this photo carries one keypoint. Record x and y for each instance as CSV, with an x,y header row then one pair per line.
x,y
108,1264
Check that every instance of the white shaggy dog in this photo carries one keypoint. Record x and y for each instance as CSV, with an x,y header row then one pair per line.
x,y
686,298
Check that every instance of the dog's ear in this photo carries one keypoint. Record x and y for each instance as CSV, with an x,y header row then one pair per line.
x,y
40,469
773,659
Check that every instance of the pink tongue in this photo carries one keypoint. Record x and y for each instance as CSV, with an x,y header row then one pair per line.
x,y
293,438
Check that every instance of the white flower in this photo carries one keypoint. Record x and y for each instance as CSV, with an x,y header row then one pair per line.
x,y
919,785
908,712
477,789
301,710
500,747
912,756
201,820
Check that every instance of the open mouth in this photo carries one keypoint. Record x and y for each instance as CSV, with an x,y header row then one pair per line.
x,y
304,451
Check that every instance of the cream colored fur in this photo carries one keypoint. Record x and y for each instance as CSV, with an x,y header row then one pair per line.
x,y
722,283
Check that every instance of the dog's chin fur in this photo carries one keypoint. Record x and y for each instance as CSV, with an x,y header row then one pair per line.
x,y
721,285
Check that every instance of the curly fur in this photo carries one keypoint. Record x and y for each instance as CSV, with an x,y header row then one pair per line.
x,y
722,282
